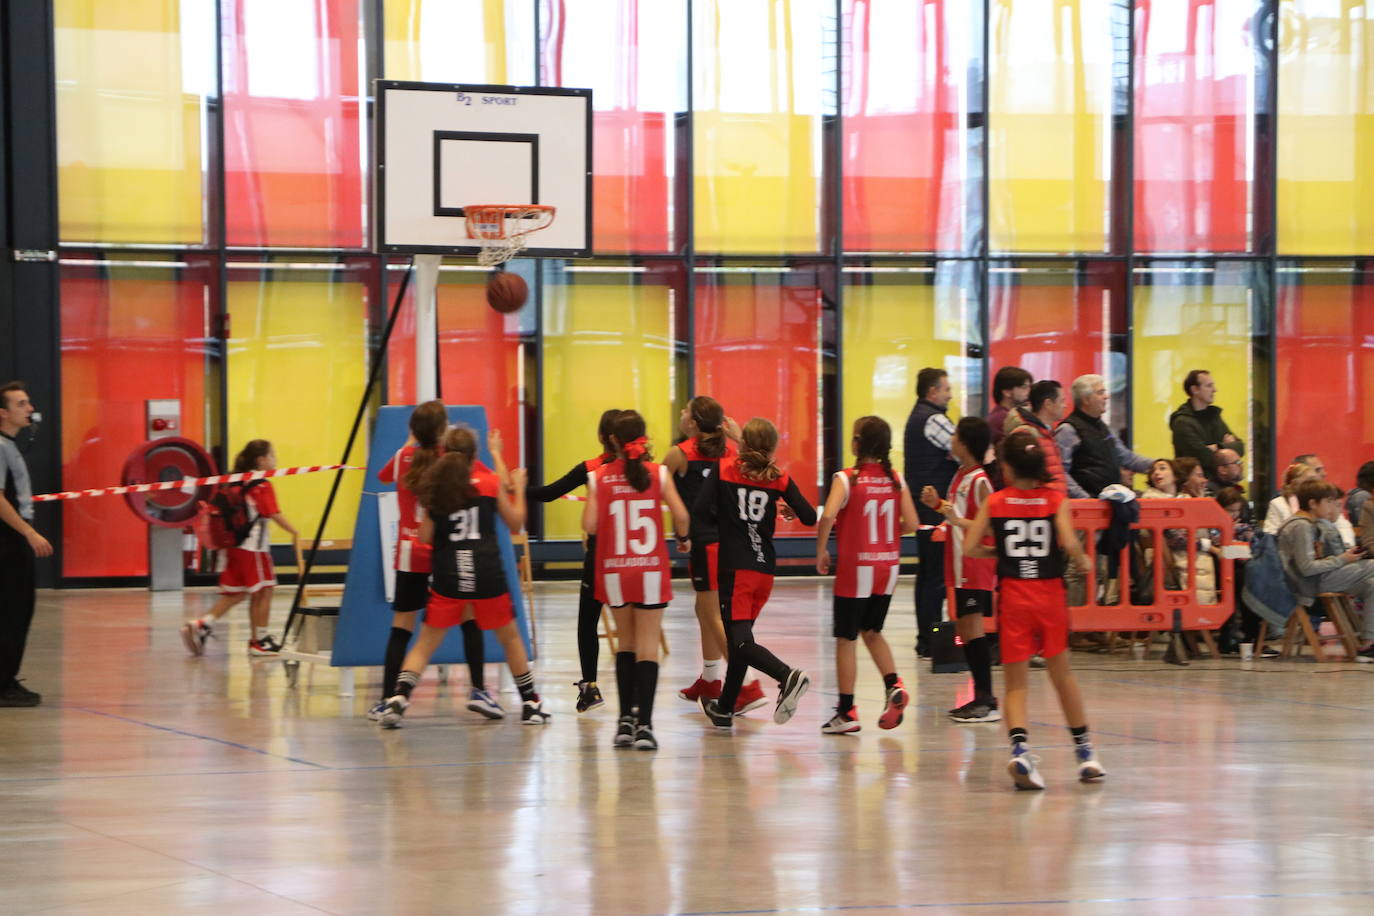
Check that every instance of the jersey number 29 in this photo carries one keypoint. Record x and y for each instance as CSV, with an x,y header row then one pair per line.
x,y
1027,537
634,515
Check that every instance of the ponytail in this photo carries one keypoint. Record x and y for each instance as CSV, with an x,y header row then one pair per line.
x,y
604,427
709,417
447,486
1024,456
628,436
874,437
247,460
427,424
756,455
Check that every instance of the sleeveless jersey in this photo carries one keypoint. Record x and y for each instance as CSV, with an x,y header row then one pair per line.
x,y
467,555
699,467
747,515
962,571
632,564
1023,527
868,532
412,555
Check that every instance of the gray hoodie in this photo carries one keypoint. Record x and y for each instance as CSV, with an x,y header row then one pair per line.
x,y
1297,547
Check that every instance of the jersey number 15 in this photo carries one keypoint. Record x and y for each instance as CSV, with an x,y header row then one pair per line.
x,y
634,515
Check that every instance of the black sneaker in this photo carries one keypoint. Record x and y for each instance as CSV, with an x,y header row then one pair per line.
x,y
978,710
625,732
718,718
588,696
644,738
532,713
17,695
1268,652
1365,655
790,694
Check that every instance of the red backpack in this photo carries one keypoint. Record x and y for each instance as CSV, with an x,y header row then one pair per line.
x,y
224,520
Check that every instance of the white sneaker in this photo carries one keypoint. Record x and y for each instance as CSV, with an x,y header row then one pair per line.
x,y
375,713
395,709
790,695
533,713
1088,767
194,634
1023,771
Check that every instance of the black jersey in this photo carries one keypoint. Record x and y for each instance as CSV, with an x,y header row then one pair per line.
x,y
1023,529
700,468
467,555
746,512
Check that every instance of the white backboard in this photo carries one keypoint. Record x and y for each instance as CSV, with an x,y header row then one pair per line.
x,y
441,146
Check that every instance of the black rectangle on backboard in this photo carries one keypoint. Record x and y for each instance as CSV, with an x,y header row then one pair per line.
x,y
462,136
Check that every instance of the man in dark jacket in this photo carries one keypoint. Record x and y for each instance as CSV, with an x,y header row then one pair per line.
x,y
928,464
1199,431
1092,454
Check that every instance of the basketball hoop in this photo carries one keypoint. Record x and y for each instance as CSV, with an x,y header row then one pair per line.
x,y
501,228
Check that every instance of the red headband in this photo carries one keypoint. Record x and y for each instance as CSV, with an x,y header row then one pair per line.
x,y
636,448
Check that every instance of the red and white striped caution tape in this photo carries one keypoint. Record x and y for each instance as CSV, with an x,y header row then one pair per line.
x,y
188,484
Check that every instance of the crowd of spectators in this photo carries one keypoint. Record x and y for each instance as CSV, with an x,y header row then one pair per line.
x,y
1317,533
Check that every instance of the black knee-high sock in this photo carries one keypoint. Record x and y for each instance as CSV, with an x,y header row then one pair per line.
x,y
978,654
625,681
588,643
735,670
759,657
396,645
646,685
475,651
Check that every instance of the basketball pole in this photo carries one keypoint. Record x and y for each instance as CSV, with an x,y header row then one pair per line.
x,y
426,327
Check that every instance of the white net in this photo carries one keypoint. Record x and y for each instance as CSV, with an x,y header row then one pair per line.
x,y
501,230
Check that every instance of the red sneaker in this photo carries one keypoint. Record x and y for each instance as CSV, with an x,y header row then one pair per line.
x,y
700,688
750,697
897,699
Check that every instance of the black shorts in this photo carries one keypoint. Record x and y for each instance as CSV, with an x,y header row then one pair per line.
x,y
855,614
642,607
412,592
703,564
970,601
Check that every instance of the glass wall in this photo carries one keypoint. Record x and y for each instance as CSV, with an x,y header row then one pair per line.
x,y
798,204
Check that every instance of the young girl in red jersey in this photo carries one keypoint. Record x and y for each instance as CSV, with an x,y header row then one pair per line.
x,y
865,505
406,469
464,501
625,507
588,607
973,580
742,498
246,570
711,436
1032,530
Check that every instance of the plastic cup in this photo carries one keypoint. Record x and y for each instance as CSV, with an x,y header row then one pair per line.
x,y
1138,651
1247,651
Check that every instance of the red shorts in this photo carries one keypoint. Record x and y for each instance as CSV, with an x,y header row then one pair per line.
x,y
490,613
245,572
1032,617
743,593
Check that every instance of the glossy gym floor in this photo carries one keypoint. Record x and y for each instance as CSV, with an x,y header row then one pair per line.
x,y
152,782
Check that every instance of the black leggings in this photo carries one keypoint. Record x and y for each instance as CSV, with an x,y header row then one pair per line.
x,y
588,616
743,654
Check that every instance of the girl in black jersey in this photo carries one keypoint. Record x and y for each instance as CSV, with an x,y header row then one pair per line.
x,y
588,608
463,502
743,500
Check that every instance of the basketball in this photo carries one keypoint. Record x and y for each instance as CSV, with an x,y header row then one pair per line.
x,y
506,291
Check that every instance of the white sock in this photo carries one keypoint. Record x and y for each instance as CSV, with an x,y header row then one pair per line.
x,y
260,632
713,669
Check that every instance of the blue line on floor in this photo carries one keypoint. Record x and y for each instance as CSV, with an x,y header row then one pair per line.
x,y
185,734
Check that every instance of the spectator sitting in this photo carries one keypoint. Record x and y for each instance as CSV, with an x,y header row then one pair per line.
x,y
1193,485
1319,469
1310,574
1282,507
1160,482
1092,454
1198,429
1010,389
1039,417
1358,498
1227,472
1232,499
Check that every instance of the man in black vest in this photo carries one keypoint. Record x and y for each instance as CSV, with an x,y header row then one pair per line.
x,y
1092,454
928,463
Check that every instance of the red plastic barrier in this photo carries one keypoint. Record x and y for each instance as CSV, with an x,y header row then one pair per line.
x,y
1093,516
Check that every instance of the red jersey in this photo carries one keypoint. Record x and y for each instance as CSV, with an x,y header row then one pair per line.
x,y
689,482
262,505
412,555
467,554
632,564
967,491
1023,531
868,531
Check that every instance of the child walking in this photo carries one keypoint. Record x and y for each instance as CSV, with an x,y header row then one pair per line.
x,y
625,507
864,505
973,579
1031,531
463,501
246,570
742,498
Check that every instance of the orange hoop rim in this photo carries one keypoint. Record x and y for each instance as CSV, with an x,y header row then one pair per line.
x,y
489,222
